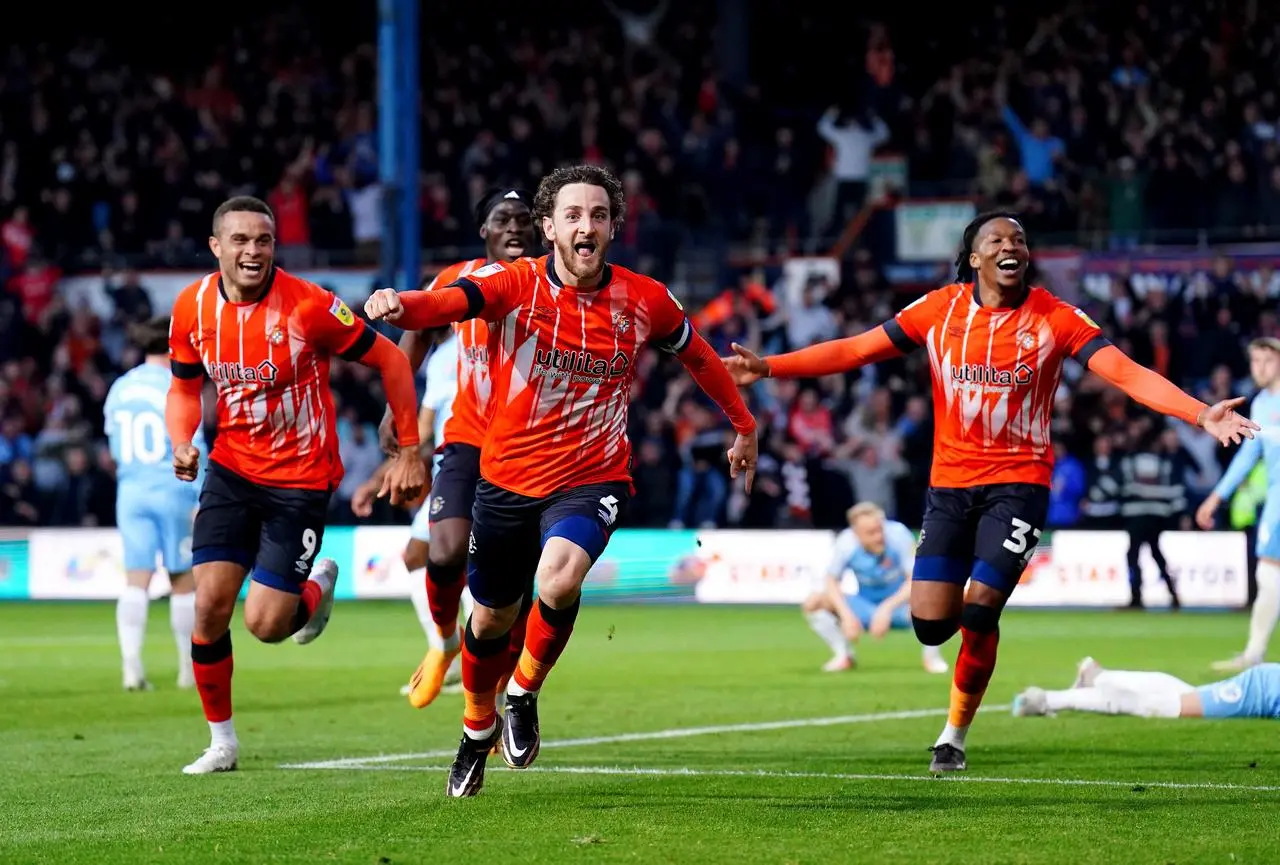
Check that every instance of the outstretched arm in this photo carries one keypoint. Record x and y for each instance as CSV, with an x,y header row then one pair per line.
x,y
839,355
1146,386
489,293
1153,390
418,310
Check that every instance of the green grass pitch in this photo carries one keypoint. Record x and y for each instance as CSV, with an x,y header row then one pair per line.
x,y
89,774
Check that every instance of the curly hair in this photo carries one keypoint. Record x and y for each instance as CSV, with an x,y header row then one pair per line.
x,y
964,270
544,200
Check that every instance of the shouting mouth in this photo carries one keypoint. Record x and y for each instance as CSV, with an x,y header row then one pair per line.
x,y
1009,264
585,250
252,269
514,247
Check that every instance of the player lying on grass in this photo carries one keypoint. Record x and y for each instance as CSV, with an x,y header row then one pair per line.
x,y
565,333
996,346
878,554
1264,366
1254,693
266,338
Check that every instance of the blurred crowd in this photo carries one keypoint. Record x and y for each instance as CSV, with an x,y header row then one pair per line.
x,y
825,443
1106,125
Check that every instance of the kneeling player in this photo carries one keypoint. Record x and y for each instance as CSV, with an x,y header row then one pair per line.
x,y
266,339
880,554
1255,693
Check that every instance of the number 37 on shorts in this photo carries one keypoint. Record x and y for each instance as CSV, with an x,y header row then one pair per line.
x,y
988,533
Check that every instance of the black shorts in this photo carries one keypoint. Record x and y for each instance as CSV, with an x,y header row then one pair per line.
x,y
453,492
987,533
273,531
508,531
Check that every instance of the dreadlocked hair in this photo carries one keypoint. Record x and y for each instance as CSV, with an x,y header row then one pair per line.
x,y
964,270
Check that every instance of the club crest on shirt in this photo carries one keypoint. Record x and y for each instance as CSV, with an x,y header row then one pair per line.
x,y
339,310
277,335
1026,341
621,324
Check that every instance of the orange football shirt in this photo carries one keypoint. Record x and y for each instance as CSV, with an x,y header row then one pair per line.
x,y
466,424
270,363
561,363
995,376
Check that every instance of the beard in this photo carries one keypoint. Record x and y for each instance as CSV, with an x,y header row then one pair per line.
x,y
584,269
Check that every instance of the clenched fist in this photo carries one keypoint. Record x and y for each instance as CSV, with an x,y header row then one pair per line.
x,y
384,304
186,462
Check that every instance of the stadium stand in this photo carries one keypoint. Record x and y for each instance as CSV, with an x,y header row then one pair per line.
x,y
1110,129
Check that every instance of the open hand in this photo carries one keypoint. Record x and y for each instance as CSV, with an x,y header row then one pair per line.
x,y
745,367
1223,422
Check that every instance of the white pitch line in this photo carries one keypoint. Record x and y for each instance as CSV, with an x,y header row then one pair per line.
x,y
641,772
678,733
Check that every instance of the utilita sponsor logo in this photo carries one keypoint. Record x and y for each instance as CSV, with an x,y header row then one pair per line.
x,y
558,363
230,372
979,374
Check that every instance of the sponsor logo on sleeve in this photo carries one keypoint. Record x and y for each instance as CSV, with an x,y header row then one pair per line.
x,y
339,310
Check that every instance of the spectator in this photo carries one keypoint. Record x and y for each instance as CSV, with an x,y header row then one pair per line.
x,y
1154,497
20,501
811,321
86,494
358,449
854,136
701,486
15,444
1067,488
1166,142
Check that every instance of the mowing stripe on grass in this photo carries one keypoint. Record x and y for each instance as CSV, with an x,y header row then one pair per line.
x,y
643,772
678,733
